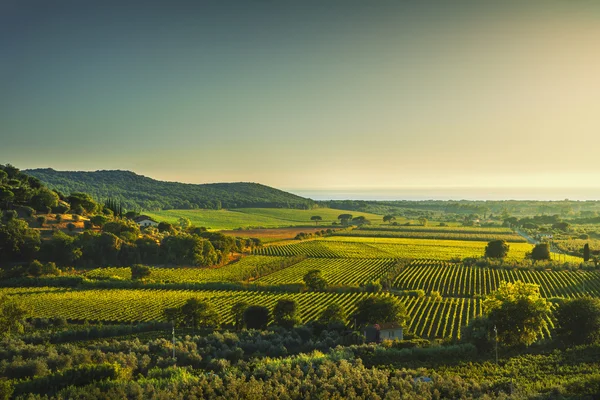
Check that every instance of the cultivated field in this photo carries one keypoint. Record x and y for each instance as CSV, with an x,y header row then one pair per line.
x,y
429,318
456,280
255,217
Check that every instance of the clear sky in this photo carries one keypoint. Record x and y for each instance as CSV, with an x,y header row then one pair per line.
x,y
306,94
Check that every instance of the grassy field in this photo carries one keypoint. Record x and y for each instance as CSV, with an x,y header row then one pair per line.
x,y
255,217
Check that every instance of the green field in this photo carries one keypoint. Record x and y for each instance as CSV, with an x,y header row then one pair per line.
x,y
242,270
255,217
363,247
445,235
429,318
456,280
339,271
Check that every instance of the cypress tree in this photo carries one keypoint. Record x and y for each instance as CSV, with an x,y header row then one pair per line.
x,y
586,252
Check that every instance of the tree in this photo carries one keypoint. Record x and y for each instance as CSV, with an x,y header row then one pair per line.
x,y
480,333
389,218
496,249
379,310
41,220
256,317
586,252
518,312
344,218
314,280
139,271
12,315
195,313
44,198
284,313
18,242
423,221
84,201
99,220
71,226
237,310
333,313
184,223
541,251
316,218
579,321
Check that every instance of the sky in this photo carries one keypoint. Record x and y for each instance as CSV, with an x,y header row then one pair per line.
x,y
307,95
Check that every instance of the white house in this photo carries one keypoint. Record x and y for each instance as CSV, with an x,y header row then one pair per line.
x,y
387,331
144,221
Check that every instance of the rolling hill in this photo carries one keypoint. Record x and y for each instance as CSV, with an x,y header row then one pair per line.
x,y
140,192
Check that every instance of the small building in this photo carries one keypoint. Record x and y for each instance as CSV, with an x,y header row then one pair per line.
x,y
144,221
386,331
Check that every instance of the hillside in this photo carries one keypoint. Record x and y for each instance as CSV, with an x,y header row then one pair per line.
x,y
137,191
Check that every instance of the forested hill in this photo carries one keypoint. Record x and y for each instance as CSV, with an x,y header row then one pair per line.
x,y
137,191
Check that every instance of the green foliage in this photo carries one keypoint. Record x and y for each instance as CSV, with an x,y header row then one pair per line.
x,y
139,271
285,313
138,192
195,313
579,321
18,242
316,218
333,313
12,315
518,311
44,198
586,252
256,317
237,311
480,333
497,249
541,251
83,201
99,220
71,226
41,220
379,310
314,280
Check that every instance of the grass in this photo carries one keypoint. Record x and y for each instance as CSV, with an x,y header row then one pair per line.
x,y
255,217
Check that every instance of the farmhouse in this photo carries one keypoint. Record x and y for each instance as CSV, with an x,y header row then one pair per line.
x,y
388,331
144,221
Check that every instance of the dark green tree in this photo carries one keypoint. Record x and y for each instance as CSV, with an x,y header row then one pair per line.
x,y
139,271
586,252
497,249
316,218
333,313
379,310
256,317
541,251
18,242
285,313
237,311
389,218
345,218
314,280
578,321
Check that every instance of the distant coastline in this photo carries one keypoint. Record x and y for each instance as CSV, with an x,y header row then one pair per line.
x,y
452,193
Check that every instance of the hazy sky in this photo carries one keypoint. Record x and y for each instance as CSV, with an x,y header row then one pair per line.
x,y
301,94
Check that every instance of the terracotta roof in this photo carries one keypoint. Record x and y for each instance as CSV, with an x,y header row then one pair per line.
x,y
389,325
141,218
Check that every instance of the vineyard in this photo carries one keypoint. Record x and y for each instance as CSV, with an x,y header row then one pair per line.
x,y
429,318
458,280
433,234
439,229
244,269
370,247
340,271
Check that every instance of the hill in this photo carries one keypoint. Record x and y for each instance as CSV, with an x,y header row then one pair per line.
x,y
137,191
